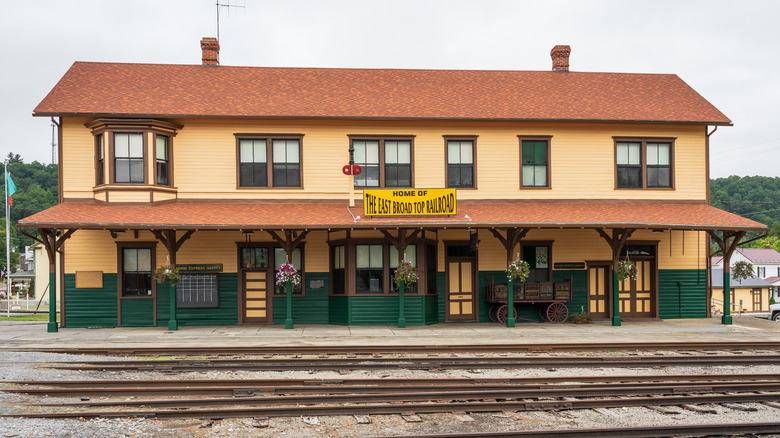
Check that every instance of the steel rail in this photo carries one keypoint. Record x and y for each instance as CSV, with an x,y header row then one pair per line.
x,y
389,381
421,394
370,349
372,363
400,408
729,429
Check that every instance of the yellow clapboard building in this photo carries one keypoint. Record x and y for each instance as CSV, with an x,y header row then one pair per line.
x,y
228,173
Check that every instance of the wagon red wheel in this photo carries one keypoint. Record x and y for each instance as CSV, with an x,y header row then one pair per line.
x,y
502,312
557,313
492,312
543,313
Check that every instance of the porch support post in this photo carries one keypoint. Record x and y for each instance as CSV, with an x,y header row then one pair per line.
x,y
728,244
52,244
168,239
616,242
513,237
400,244
289,243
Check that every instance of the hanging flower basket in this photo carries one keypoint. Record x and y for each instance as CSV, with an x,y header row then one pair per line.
x,y
406,274
626,269
742,271
288,273
518,270
167,274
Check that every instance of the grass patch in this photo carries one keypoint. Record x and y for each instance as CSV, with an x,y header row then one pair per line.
x,y
26,317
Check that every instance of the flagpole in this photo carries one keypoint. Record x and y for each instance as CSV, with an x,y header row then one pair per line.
x,y
7,244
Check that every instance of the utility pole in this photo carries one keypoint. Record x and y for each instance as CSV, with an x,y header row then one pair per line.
x,y
7,243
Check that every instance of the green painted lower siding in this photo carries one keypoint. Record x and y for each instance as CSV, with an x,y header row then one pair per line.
x,y
310,309
682,293
90,307
383,310
225,314
137,312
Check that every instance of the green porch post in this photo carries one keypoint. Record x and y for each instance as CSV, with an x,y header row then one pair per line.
x,y
173,324
52,326
615,299
288,322
510,304
401,315
726,318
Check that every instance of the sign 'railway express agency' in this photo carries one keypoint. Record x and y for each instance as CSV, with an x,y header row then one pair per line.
x,y
408,202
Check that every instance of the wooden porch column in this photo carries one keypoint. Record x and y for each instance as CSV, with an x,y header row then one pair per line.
x,y
400,244
728,244
513,237
289,244
616,243
52,243
168,239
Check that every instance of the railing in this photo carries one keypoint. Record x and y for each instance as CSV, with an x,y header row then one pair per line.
x,y
735,308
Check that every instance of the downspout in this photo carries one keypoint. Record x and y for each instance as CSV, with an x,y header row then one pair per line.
x,y
708,284
59,159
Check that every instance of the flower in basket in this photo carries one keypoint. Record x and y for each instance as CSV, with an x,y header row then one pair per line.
x,y
287,273
167,274
406,274
626,269
518,270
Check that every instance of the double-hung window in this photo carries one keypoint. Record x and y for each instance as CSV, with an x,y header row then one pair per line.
x,y
261,155
136,272
641,164
129,157
369,267
161,156
338,268
460,163
534,162
385,162
100,163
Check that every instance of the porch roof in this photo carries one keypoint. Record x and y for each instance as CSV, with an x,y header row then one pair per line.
x,y
337,215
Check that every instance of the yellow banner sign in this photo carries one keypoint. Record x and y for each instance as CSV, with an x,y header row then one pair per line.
x,y
408,202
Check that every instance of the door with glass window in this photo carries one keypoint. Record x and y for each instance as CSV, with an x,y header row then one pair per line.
x,y
255,274
636,296
461,293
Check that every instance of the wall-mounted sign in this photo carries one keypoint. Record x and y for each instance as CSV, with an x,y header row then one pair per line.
x,y
408,202
189,269
571,265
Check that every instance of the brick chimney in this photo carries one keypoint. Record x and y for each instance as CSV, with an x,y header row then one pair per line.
x,y
560,58
210,48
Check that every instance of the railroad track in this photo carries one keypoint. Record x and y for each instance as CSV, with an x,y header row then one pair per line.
x,y
370,349
424,363
283,398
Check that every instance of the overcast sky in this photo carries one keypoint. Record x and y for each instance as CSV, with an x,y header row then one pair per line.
x,y
726,50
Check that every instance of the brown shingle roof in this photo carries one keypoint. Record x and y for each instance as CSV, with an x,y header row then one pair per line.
x,y
162,90
336,215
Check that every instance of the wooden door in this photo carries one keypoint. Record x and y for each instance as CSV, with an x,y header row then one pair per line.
x,y
636,296
598,291
461,293
757,304
256,300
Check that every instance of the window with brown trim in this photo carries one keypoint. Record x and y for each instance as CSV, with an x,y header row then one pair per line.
x,y
162,159
534,162
385,162
137,264
338,283
369,269
460,163
644,163
261,155
410,255
129,157
101,160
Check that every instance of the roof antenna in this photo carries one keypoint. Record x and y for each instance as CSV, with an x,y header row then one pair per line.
x,y
225,5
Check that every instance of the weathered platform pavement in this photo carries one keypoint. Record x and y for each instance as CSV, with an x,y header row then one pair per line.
x,y
744,329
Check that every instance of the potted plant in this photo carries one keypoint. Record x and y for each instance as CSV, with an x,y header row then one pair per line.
x,y
518,270
626,269
287,273
167,274
406,274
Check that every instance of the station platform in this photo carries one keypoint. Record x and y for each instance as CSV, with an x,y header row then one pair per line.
x,y
744,329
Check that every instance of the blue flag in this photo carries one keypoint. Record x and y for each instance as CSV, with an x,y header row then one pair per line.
x,y
10,186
